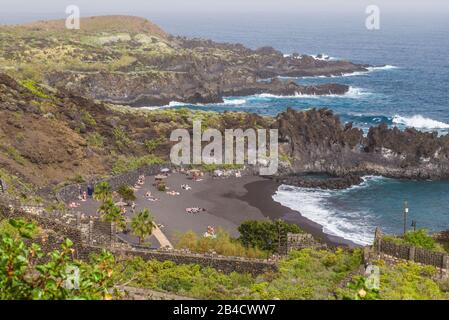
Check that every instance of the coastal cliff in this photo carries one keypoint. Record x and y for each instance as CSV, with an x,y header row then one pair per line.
x,y
317,141
49,136
129,60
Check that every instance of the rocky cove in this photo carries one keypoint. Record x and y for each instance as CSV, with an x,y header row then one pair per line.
x,y
318,142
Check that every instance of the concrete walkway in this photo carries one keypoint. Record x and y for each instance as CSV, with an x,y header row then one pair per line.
x,y
160,236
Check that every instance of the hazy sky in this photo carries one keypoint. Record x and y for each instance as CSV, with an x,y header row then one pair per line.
x,y
17,11
191,6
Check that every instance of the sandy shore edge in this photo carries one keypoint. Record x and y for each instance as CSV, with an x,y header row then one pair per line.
x,y
260,195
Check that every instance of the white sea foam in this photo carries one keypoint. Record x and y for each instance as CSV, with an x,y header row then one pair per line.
x,y
353,93
314,204
386,67
170,105
176,104
419,122
234,101
324,57
369,70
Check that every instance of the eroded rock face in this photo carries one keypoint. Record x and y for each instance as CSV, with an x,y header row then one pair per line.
x,y
52,136
317,141
149,90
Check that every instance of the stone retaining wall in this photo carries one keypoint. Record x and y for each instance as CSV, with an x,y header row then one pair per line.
x,y
409,252
220,263
300,241
71,192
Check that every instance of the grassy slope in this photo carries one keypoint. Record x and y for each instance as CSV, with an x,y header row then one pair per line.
x,y
47,137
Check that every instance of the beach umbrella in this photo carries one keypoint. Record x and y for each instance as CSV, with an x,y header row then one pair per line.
x,y
165,170
121,204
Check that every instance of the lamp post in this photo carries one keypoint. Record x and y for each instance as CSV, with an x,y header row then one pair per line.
x,y
405,216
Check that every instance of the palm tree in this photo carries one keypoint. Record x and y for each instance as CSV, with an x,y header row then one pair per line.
x,y
142,225
127,193
102,192
111,213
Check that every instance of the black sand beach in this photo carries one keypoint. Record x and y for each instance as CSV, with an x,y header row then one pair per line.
x,y
228,203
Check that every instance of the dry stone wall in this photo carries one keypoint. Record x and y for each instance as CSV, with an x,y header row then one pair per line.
x,y
388,247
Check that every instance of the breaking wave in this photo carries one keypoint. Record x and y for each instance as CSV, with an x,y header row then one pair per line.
x,y
419,122
316,205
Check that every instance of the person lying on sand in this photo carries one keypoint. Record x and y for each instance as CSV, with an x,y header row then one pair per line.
x,y
195,210
153,199
173,193
73,205
148,194
186,187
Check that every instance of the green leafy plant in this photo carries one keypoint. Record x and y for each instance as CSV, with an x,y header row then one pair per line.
x,y
88,119
121,138
265,234
95,140
23,275
33,87
222,244
102,191
419,238
127,193
111,213
125,164
358,289
152,144
142,225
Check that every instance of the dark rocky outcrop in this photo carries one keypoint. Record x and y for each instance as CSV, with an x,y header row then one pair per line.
x,y
317,141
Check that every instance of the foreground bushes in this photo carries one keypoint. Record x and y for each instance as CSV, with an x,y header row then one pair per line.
x,y
419,238
223,244
306,274
26,275
265,235
403,281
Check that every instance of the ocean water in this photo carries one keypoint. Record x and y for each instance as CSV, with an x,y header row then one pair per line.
x,y
410,90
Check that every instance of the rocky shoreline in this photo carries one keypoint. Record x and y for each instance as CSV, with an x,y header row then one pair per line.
x,y
316,141
131,61
332,183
